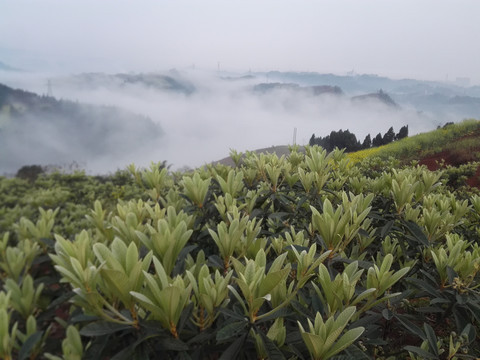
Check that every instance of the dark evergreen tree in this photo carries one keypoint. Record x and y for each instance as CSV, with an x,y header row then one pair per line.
x,y
403,133
343,140
311,142
389,136
30,172
377,140
325,142
367,143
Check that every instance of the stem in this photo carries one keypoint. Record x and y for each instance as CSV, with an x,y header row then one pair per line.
x,y
134,317
201,318
173,330
226,265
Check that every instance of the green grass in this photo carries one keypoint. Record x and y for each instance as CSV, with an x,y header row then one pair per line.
x,y
426,144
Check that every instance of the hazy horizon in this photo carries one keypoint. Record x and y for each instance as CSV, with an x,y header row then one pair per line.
x,y
430,40
426,40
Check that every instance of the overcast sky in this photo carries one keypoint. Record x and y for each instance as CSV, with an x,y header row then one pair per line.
x,y
427,39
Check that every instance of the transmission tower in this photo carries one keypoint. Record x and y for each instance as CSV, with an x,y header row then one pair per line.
x,y
49,88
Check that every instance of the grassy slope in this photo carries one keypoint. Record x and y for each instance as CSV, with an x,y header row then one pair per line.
x,y
278,150
454,145
460,143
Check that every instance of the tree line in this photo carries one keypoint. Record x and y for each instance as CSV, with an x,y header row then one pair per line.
x,y
345,139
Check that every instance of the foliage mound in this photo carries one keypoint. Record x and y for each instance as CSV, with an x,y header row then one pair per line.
x,y
302,256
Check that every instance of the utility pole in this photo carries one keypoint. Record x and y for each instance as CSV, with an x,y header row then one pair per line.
x,y
294,136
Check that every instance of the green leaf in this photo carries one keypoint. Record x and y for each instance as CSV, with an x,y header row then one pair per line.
x,y
231,330
387,314
203,337
394,278
272,280
233,350
315,344
385,229
29,345
170,343
229,314
126,353
131,257
419,351
296,247
451,274
103,328
470,332
283,312
116,280
417,232
432,339
271,348
302,310
346,340
414,329
185,316
353,352
170,300
215,261
180,261
423,285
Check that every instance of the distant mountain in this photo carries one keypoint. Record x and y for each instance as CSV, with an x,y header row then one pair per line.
x,y
42,130
380,96
307,90
317,90
354,85
173,81
470,100
358,83
442,100
238,78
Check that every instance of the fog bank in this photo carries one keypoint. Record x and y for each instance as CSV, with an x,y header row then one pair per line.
x,y
205,114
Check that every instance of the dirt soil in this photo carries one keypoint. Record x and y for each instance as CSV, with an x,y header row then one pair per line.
x,y
449,158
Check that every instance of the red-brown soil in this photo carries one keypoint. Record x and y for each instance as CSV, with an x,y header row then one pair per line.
x,y
456,158
474,181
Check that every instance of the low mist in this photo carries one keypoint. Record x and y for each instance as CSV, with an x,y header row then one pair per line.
x,y
201,116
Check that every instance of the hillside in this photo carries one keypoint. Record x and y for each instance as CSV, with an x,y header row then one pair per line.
x,y
43,130
316,90
380,97
435,97
280,150
172,81
310,255
453,146
458,153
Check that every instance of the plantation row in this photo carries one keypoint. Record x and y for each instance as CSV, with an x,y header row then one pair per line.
x,y
304,256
